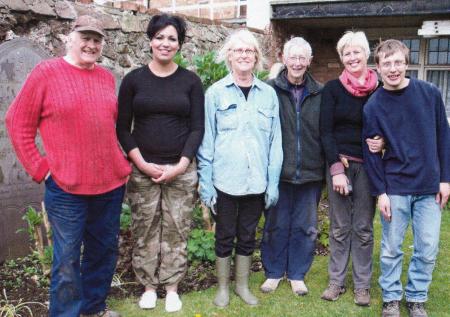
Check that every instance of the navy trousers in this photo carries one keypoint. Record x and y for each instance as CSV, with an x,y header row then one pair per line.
x,y
94,221
290,231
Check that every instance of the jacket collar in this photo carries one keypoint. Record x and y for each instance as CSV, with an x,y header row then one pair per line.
x,y
310,83
229,81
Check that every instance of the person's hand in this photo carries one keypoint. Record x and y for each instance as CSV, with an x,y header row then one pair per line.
x,y
376,144
208,196
442,196
344,161
150,169
271,196
340,184
384,204
170,172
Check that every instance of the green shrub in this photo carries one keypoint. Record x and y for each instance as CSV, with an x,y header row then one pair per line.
x,y
125,217
180,60
208,69
200,246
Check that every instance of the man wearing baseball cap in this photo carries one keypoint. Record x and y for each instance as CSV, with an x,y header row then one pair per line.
x,y
71,101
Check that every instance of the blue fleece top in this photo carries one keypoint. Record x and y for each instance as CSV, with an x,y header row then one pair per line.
x,y
414,125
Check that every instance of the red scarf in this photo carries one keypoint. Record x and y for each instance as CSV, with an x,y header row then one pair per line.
x,y
353,86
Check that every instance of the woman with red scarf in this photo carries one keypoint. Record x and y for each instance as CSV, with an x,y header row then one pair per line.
x,y
352,207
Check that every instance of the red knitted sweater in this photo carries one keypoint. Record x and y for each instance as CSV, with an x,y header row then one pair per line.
x,y
75,111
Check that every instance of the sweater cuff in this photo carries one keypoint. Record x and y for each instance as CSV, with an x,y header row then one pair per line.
x,y
41,171
337,168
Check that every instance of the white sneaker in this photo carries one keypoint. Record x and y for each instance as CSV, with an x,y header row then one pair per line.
x,y
148,300
270,285
299,287
173,302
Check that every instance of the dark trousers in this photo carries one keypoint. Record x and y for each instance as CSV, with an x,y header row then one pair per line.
x,y
93,221
237,218
351,229
290,231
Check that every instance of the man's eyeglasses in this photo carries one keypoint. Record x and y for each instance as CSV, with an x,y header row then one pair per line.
x,y
396,64
293,59
240,51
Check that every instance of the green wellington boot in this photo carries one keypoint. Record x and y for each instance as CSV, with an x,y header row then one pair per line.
x,y
242,265
223,280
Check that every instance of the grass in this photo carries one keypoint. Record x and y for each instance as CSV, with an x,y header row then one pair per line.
x,y
284,303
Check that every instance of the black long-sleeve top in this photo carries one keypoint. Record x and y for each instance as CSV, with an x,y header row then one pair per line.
x,y
341,122
162,116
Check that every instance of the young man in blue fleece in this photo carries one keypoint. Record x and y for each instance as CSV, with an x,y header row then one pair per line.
x,y
411,179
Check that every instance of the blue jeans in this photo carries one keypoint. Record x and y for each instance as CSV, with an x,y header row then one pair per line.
x,y
93,221
290,231
426,221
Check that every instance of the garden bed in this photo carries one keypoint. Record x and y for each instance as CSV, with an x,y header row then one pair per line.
x,y
23,282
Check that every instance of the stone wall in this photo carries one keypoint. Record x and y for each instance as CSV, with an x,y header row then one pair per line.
x,y
46,22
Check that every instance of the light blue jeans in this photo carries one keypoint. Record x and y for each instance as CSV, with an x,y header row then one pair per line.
x,y
426,221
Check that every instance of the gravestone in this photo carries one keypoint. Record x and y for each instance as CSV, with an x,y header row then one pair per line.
x,y
17,190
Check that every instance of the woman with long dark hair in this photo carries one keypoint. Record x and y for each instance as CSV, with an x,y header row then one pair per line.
x,y
160,127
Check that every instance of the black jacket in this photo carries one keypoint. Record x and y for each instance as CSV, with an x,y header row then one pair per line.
x,y
303,159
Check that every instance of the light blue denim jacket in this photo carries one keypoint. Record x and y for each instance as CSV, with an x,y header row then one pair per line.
x,y
241,152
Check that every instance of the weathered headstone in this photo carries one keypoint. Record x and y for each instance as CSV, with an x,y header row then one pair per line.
x,y
17,190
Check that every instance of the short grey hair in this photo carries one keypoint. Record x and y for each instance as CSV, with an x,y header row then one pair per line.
x,y
297,42
246,37
351,38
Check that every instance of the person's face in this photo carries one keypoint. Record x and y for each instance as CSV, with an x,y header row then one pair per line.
x,y
85,48
392,70
165,44
297,63
242,58
354,59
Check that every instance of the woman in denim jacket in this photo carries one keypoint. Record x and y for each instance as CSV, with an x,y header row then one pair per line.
x,y
239,159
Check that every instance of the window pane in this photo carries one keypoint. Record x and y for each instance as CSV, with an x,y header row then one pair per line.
x,y
443,45
415,45
442,59
412,73
438,51
414,59
432,58
407,43
433,46
441,78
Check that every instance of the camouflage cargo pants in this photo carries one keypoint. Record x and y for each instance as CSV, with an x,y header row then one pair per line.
x,y
161,218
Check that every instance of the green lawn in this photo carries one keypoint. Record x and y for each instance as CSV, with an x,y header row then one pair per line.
x,y
284,303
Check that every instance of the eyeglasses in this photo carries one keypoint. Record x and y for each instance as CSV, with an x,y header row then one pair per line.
x,y
293,59
396,64
240,51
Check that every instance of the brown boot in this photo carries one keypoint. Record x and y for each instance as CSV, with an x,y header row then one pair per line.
x,y
362,296
333,292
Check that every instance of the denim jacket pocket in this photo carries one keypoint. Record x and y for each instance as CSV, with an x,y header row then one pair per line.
x,y
226,117
265,117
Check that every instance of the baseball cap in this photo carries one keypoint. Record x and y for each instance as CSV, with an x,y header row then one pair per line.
x,y
87,23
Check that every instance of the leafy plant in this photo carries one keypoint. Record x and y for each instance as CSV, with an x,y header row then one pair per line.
x,y
125,217
324,232
208,69
262,75
35,220
200,246
180,60
197,216
19,309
